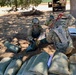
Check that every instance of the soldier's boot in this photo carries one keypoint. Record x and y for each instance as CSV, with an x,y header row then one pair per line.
x,y
72,60
31,47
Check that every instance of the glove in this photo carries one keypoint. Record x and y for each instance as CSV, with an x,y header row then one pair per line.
x,y
37,42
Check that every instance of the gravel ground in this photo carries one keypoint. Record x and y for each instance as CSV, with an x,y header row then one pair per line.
x,y
13,27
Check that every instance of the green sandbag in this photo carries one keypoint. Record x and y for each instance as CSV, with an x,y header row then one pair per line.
x,y
3,64
53,74
32,73
73,68
40,64
72,65
22,68
30,61
59,64
13,67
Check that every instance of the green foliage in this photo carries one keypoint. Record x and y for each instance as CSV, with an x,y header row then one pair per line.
x,y
26,3
2,2
36,2
22,3
45,1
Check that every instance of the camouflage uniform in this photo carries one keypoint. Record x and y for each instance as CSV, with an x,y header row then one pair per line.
x,y
52,36
50,20
33,33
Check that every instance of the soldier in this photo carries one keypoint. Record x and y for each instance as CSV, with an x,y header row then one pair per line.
x,y
33,33
49,21
60,35
34,30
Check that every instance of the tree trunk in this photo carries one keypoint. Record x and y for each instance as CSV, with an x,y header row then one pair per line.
x,y
16,5
73,7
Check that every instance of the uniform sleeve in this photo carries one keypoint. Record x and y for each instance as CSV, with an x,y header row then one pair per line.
x,y
47,22
41,29
29,34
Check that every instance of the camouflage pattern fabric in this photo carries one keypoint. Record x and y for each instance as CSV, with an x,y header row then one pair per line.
x,y
3,64
38,30
28,65
40,64
51,36
13,67
72,60
70,19
59,64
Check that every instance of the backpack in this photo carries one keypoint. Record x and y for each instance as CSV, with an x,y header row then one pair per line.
x,y
63,41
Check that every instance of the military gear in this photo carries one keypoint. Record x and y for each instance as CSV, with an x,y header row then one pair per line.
x,y
11,47
31,47
59,64
3,64
35,21
37,42
70,19
72,61
50,50
60,36
13,67
34,32
28,65
53,74
40,64
49,21
63,44
51,17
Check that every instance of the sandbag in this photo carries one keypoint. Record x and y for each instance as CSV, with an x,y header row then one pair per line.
x,y
72,60
30,61
32,73
22,68
3,64
40,64
53,74
12,47
13,67
59,64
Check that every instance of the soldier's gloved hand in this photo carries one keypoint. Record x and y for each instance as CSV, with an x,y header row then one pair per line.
x,y
37,42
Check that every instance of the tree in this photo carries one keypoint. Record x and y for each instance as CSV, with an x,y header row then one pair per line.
x,y
22,3
2,2
73,7
36,2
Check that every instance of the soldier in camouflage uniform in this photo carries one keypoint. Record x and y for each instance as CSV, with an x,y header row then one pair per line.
x,y
60,36
34,30
33,33
50,20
